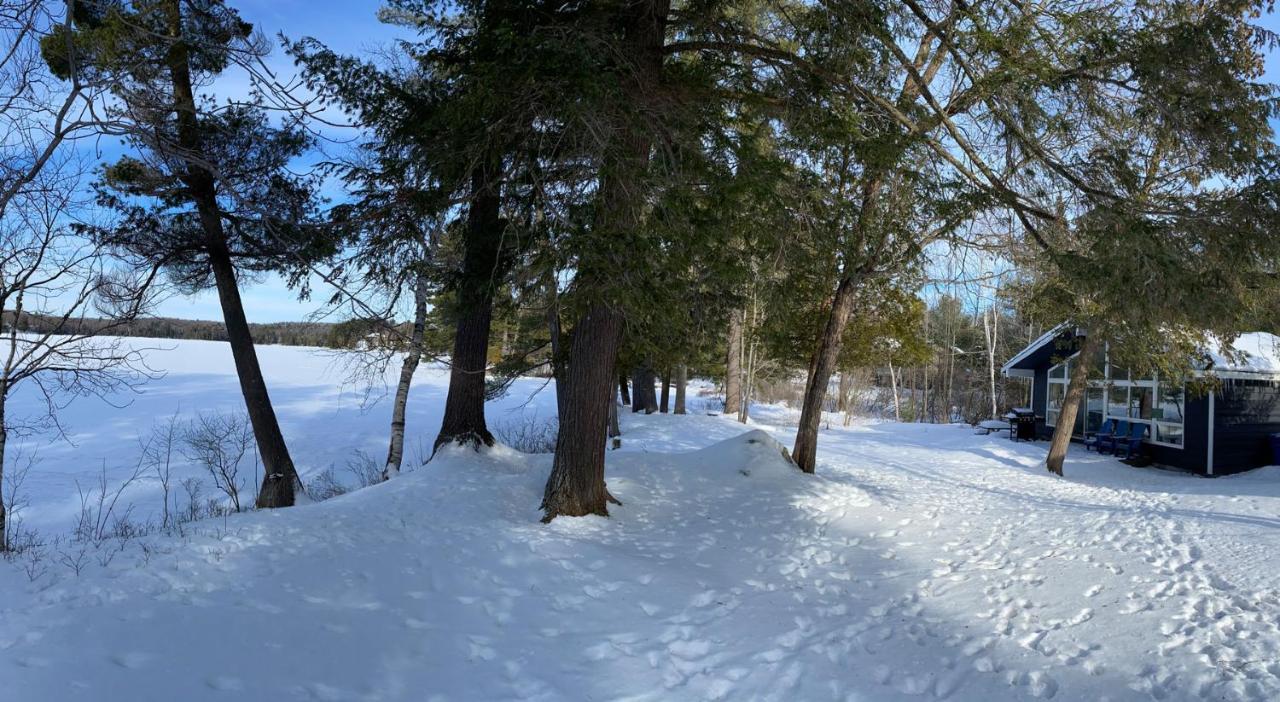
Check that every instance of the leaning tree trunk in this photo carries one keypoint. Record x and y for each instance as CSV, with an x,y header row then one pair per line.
x,y
733,365
682,382
664,403
481,271
576,485
395,452
280,479
1070,407
824,363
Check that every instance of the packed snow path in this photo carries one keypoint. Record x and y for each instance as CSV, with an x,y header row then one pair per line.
x,y
922,562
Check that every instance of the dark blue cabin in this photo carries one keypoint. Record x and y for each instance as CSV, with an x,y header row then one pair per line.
x,y
1223,432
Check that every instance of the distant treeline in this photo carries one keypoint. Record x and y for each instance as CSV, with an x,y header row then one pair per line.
x,y
284,333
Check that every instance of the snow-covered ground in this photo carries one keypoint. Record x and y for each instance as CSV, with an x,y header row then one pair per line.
x,y
920,562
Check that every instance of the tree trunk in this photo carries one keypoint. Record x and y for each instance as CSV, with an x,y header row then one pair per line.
x,y
749,381
280,479
576,485
733,365
4,516
643,395
1070,407
893,381
624,395
842,394
464,406
664,402
614,430
824,363
395,452
682,381
991,333
557,344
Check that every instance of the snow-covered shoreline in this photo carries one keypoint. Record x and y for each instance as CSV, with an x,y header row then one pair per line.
x,y
921,562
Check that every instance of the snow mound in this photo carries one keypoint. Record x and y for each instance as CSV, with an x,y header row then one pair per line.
x,y
751,454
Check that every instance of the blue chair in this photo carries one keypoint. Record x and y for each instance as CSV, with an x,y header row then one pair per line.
x,y
1133,442
1108,444
1106,431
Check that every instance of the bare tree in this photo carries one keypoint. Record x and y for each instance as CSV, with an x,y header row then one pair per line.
x,y
47,272
45,269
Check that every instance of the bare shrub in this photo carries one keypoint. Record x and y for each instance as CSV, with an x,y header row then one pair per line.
x,y
219,443
157,454
325,485
98,507
364,469
14,500
530,434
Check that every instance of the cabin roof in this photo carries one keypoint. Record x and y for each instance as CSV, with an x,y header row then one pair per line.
x,y
1252,353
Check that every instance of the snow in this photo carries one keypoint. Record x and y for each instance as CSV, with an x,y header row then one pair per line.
x,y
920,562
1254,352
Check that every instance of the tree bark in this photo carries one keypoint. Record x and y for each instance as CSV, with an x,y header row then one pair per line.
x,y
614,429
395,451
464,422
733,365
576,485
4,516
643,396
623,393
682,382
280,479
1070,408
842,394
664,402
557,343
749,369
824,363
893,381
991,332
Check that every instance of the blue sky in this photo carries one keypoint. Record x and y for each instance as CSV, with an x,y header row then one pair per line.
x,y
351,27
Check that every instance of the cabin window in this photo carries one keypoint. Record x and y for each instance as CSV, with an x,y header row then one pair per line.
x,y
1169,408
1140,402
1095,408
1118,401
1057,393
1168,414
1158,405
1145,401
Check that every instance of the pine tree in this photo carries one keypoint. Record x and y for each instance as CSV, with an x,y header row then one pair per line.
x,y
208,191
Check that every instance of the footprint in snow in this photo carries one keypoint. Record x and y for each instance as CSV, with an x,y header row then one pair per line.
x,y
225,683
130,660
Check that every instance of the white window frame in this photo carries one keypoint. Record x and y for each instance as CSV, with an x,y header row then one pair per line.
x,y
1106,384
1154,384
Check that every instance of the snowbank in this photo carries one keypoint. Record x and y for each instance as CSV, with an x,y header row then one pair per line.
x,y
920,562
